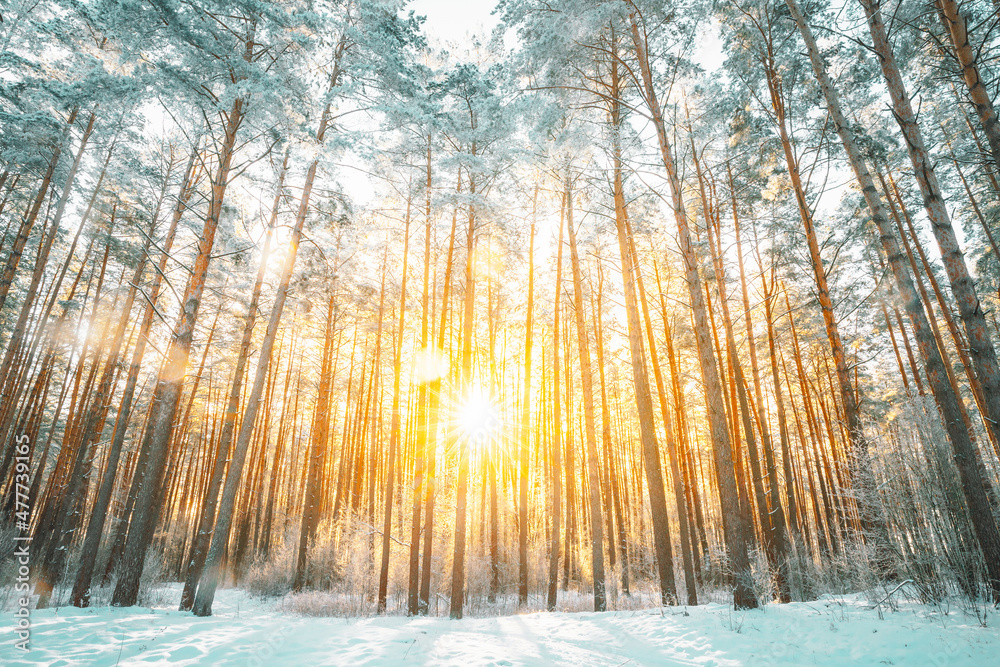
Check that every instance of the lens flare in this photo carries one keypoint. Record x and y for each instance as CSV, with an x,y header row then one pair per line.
x,y
478,417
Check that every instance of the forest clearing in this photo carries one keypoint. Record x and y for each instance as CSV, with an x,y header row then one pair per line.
x,y
549,332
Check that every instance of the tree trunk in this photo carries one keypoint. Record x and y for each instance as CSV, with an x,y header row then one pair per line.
x,y
394,434
964,451
587,382
24,231
735,522
461,495
206,519
413,592
171,379
966,55
435,402
981,348
525,438
643,397
676,478
555,473
613,494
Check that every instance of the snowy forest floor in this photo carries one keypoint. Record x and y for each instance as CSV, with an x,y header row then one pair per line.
x,y
834,630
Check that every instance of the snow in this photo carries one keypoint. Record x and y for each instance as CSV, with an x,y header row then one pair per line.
x,y
247,631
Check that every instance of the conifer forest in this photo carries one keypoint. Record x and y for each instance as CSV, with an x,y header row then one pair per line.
x,y
330,309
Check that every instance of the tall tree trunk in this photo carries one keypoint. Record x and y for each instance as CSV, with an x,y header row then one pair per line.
x,y
736,525
413,592
525,437
643,397
668,432
206,519
312,500
951,16
435,402
461,494
555,469
171,378
613,494
587,382
394,429
964,451
786,457
970,309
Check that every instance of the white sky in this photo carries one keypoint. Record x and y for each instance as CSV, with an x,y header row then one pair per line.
x,y
455,20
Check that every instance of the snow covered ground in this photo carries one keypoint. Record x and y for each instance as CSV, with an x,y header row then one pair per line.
x,y
245,631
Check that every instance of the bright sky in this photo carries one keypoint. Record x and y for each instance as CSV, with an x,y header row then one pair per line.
x,y
454,20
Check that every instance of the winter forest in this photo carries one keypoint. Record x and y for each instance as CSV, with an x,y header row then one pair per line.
x,y
316,310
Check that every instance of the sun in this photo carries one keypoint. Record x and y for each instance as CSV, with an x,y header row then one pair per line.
x,y
478,417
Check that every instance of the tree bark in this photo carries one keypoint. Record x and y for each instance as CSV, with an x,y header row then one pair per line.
x,y
735,522
394,429
964,450
966,55
524,453
970,309
206,518
587,382
555,469
171,378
